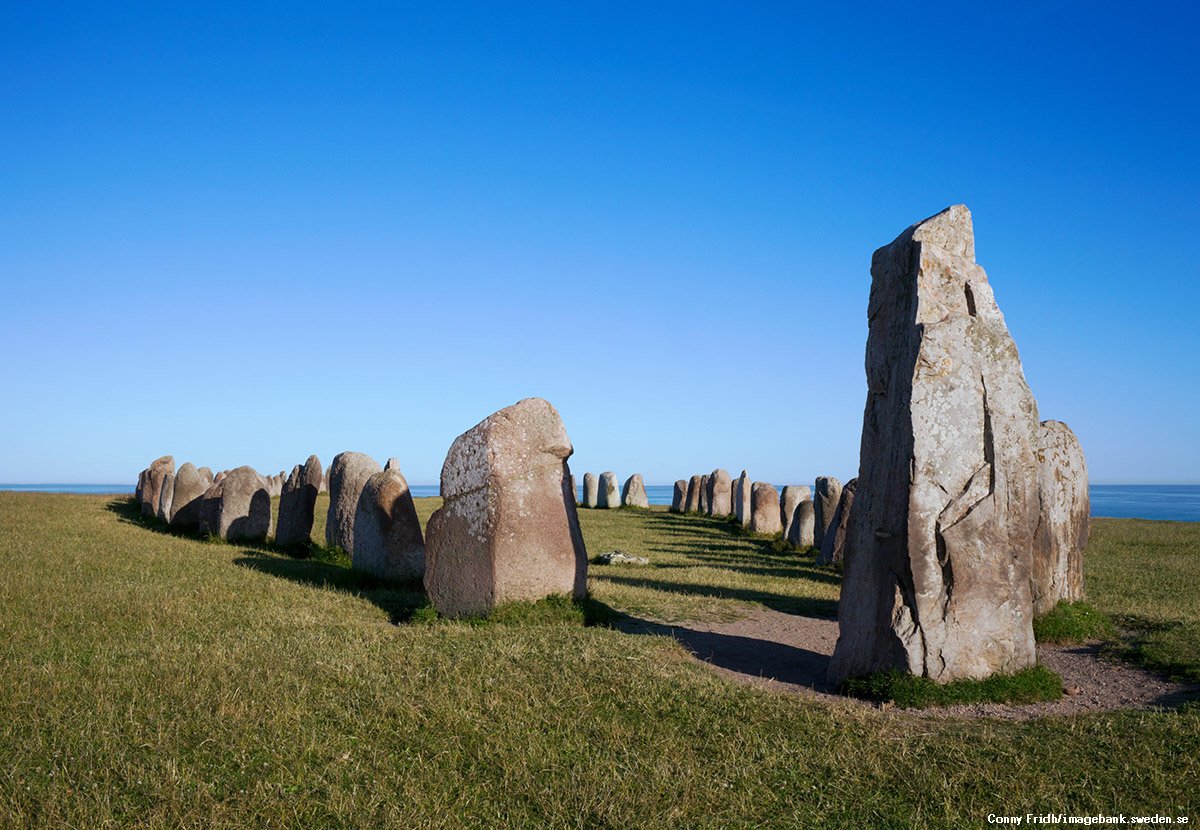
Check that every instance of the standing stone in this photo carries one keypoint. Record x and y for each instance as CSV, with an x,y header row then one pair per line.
x,y
833,545
609,496
703,506
741,499
1063,519
718,493
324,483
939,549
591,490
679,496
800,531
297,504
219,477
789,498
508,529
151,489
825,498
163,513
634,492
692,503
239,508
387,532
348,475
187,492
205,473
764,508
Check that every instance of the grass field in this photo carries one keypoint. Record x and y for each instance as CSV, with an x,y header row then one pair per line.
x,y
153,680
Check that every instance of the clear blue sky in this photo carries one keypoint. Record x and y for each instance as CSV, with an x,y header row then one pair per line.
x,y
241,235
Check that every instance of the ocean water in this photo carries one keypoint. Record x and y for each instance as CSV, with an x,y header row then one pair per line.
x,y
1167,502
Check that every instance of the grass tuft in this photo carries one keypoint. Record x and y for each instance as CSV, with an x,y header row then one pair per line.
x,y
910,692
1073,622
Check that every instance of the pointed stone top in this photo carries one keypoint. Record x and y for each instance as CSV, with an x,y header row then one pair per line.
x,y
951,230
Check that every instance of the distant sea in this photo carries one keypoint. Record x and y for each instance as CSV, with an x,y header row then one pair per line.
x,y
1168,502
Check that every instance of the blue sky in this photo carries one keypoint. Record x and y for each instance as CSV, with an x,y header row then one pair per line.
x,y
244,234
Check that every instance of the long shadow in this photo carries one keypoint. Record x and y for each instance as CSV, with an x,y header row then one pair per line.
x,y
399,600
748,656
801,606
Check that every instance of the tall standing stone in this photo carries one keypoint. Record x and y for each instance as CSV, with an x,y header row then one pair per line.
x,y
939,549
679,496
833,545
297,504
163,513
186,494
387,532
789,498
693,495
508,529
743,490
591,490
238,509
800,531
825,498
348,475
609,496
633,494
718,493
1064,517
703,506
764,508
151,489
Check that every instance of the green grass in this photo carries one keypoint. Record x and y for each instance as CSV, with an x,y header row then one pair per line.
x,y
909,692
1073,622
151,680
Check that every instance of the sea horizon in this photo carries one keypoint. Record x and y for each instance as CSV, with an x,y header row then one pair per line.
x,y
1159,502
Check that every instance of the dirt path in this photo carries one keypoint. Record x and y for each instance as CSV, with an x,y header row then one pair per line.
x,y
789,653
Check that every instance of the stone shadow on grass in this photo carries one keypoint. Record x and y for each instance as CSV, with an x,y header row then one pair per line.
x,y
399,600
800,606
750,657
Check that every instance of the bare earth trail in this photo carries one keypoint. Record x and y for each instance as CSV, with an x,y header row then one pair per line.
x,y
790,653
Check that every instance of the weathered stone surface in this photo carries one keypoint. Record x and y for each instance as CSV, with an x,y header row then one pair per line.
x,y
219,477
152,481
205,473
387,532
704,492
789,498
186,494
833,545
620,557
574,489
508,529
297,504
764,508
348,475
826,492
742,492
800,531
239,508
718,493
679,496
938,554
692,504
591,490
393,463
1063,519
633,494
165,494
609,496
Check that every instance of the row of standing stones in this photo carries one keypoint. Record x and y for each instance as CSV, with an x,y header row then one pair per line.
x,y
507,530
968,516
601,492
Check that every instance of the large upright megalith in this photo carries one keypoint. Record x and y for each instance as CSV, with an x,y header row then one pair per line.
x,y
591,490
609,496
789,499
387,532
165,495
826,492
187,493
679,496
833,545
150,482
508,529
297,504
940,544
633,494
742,492
238,508
718,493
1063,517
764,508
348,475
692,503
